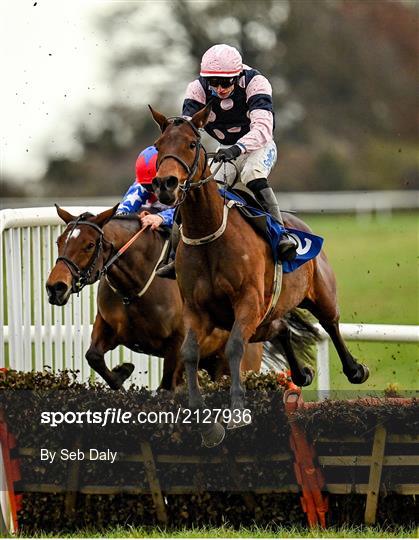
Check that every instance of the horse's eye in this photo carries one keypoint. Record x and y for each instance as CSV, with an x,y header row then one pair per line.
x,y
90,246
192,145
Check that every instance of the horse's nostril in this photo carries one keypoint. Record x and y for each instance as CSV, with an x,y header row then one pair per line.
x,y
56,289
172,182
60,287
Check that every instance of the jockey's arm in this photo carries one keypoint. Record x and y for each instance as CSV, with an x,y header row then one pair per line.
x,y
259,100
167,216
133,199
194,99
156,220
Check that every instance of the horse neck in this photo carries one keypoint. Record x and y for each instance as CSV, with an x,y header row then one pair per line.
x,y
133,268
202,210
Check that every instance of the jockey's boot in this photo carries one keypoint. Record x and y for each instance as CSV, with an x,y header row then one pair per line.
x,y
287,247
167,267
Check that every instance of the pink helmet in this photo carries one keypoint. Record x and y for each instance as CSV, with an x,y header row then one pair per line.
x,y
221,61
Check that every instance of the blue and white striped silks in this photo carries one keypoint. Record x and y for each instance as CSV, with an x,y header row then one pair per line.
x,y
136,197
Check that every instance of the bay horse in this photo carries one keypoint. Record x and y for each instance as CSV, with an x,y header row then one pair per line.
x,y
226,270
134,308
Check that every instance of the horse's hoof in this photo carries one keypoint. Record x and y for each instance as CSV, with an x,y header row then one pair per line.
x,y
361,375
213,436
122,372
307,376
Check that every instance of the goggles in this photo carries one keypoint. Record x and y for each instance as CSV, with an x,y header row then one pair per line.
x,y
224,82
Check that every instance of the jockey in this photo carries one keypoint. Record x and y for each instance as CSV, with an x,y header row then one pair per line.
x,y
140,194
242,121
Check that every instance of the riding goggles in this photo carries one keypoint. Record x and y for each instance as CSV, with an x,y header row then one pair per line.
x,y
224,82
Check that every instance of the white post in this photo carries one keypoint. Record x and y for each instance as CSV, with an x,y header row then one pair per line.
x,y
37,293
323,373
26,297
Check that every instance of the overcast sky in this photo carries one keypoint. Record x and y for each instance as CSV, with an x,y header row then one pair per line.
x,y
51,58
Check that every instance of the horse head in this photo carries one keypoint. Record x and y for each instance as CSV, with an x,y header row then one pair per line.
x,y
181,157
80,254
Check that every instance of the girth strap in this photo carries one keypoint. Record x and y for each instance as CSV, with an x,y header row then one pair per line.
x,y
276,291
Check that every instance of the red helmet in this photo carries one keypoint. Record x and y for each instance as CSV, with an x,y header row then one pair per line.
x,y
146,165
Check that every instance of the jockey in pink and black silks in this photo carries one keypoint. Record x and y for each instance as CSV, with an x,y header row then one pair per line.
x,y
140,194
242,121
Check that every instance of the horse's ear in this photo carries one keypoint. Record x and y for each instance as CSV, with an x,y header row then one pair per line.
x,y
64,215
200,119
101,219
159,118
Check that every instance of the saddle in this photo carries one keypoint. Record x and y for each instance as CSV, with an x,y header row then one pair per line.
x,y
309,243
259,222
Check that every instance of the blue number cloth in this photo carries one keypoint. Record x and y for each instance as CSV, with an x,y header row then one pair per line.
x,y
309,245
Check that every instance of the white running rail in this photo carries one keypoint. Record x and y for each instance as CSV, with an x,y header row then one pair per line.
x,y
34,334
359,332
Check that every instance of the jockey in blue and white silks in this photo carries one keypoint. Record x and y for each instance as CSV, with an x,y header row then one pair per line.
x,y
140,194
242,121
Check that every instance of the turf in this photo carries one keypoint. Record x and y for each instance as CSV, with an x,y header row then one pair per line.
x,y
229,532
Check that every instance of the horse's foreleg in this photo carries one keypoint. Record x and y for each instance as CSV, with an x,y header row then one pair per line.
x,y
234,351
103,340
190,355
247,317
212,433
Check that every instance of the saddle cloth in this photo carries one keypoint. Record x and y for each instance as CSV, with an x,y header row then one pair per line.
x,y
309,245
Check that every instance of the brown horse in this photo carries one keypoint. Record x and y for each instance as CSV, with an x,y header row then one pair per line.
x,y
227,279
134,310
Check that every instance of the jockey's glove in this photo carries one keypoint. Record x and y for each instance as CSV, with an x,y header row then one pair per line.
x,y
227,154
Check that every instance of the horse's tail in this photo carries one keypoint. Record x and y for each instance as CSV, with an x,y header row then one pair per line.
x,y
304,336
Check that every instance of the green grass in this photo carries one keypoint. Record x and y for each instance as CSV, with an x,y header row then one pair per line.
x,y
375,260
229,532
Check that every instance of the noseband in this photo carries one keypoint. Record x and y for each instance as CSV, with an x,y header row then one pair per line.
x,y
81,277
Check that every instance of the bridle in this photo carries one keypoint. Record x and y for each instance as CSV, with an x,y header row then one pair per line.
x,y
82,277
187,185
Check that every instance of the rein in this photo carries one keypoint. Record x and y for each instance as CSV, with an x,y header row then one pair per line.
x,y
121,251
127,299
